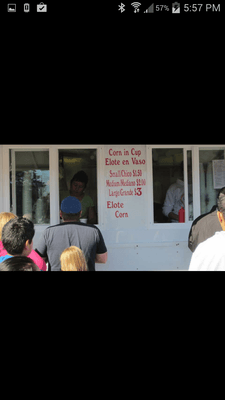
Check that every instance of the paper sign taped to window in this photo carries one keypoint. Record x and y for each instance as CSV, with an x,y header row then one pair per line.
x,y
218,173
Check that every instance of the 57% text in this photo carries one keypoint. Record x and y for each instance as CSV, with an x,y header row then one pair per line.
x,y
162,8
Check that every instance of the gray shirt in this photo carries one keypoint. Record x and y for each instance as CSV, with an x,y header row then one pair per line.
x,y
55,239
203,227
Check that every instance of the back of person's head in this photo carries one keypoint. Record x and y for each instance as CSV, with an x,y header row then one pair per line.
x,y
15,234
221,201
19,263
72,259
70,208
4,218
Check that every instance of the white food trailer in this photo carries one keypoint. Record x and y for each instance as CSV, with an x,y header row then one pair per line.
x,y
128,185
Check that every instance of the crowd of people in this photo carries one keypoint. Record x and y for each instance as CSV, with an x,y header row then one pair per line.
x,y
77,246
68,246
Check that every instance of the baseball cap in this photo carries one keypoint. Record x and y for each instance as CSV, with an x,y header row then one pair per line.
x,y
70,205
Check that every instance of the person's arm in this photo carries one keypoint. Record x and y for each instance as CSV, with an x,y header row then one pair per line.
x,y
171,215
44,258
91,215
101,250
101,258
41,248
168,203
190,239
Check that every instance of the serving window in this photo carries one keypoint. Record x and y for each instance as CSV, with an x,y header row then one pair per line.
x,y
170,168
78,177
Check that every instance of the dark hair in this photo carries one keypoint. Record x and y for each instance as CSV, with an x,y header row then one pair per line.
x,y
221,201
80,176
70,216
19,263
15,233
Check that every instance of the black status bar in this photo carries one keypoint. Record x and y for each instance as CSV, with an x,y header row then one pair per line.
x,y
105,9
25,7
148,7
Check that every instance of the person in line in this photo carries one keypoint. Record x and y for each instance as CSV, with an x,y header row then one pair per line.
x,y
17,238
77,188
4,218
19,263
205,225
210,254
72,259
174,199
55,239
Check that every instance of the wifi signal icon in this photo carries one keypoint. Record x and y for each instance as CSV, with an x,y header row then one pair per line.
x,y
136,6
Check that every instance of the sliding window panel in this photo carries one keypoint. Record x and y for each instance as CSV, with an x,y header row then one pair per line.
x,y
211,176
29,185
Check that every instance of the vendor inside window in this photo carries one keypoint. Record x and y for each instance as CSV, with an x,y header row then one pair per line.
x,y
174,199
78,185
168,184
77,177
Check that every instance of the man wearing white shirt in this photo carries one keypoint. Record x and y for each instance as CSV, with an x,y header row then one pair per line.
x,y
210,254
174,201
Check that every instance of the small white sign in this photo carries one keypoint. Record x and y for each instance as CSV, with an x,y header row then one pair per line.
x,y
218,173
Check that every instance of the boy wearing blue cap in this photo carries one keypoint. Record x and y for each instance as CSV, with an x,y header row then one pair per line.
x,y
55,239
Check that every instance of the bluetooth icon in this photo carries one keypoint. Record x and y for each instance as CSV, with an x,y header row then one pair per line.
x,y
121,7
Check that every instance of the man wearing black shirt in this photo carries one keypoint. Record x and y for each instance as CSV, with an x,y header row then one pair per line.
x,y
55,239
205,226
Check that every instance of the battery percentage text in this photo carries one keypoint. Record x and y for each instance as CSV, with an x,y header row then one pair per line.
x,y
162,8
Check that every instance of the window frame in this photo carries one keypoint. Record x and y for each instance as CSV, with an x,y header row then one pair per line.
x,y
13,151
54,180
99,151
200,148
153,224
54,177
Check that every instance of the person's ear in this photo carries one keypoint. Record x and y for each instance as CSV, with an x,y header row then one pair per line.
x,y
221,219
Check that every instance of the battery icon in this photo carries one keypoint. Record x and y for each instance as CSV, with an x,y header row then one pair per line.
x,y
26,7
175,8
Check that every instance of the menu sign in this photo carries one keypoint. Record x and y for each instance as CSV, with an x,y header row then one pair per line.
x,y
125,186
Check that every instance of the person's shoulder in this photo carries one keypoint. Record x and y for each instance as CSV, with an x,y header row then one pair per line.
x,y
173,187
220,238
88,227
52,227
215,241
86,196
87,199
36,257
202,219
3,258
50,230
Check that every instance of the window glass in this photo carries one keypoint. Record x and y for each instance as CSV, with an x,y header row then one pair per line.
x,y
78,177
212,176
29,185
168,184
190,186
